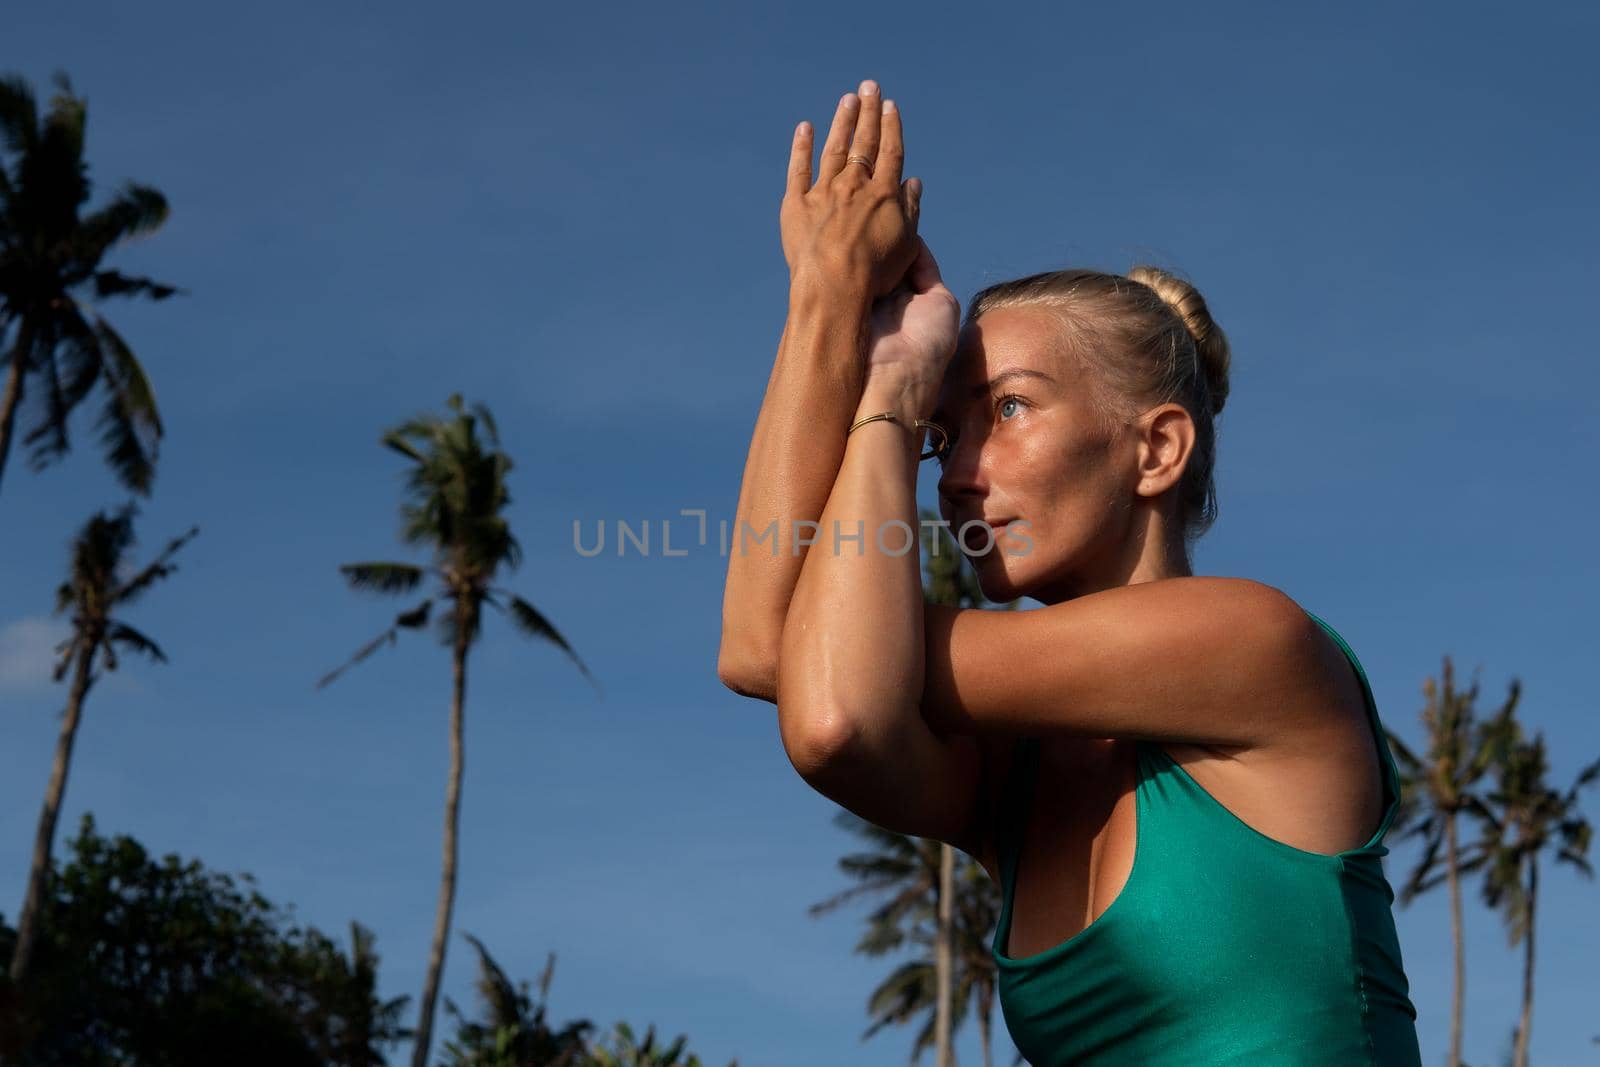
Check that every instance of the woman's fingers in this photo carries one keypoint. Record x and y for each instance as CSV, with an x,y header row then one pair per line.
x,y
869,125
891,148
911,200
924,273
837,147
800,162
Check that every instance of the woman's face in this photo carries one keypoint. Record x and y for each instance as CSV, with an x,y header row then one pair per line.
x,y
1027,446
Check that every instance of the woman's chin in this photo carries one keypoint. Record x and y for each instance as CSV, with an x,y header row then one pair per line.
x,y
997,579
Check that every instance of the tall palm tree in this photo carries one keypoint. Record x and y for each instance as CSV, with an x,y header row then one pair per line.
x,y
948,579
50,261
977,909
1523,816
1436,790
903,872
455,493
93,590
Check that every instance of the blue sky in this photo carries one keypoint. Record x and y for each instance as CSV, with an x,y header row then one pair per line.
x,y
571,215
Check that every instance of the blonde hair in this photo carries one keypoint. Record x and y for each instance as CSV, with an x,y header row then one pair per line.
x,y
1144,339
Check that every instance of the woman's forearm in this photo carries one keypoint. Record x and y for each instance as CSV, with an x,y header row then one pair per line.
x,y
852,657
795,453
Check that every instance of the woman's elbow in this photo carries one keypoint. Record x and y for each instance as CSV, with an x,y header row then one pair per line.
x,y
750,672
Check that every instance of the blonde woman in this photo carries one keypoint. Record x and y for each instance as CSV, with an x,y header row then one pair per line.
x,y
1179,782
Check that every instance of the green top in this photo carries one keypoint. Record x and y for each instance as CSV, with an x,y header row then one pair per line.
x,y
1225,946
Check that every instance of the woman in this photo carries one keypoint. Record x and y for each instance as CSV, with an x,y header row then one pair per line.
x,y
1179,782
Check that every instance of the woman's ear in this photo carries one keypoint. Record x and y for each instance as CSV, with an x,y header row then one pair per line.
x,y
1166,440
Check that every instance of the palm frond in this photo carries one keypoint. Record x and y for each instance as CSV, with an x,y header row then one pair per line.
x,y
108,283
135,211
412,619
129,423
382,577
121,633
158,568
529,620
19,114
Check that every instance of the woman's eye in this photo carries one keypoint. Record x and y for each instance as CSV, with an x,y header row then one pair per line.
x,y
1009,400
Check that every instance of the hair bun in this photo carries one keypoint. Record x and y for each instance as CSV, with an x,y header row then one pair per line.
x,y
1210,342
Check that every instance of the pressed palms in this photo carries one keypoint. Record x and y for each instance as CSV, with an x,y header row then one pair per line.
x,y
94,590
50,261
455,493
1436,789
1523,816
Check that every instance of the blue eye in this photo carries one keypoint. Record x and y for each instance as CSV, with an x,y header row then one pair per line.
x,y
950,444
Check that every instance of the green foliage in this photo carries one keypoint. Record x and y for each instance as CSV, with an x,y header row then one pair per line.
x,y
621,1049
1523,817
454,494
902,873
162,963
513,1031
51,266
1442,784
947,577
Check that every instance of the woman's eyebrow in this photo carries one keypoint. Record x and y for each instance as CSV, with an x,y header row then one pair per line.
x,y
1004,376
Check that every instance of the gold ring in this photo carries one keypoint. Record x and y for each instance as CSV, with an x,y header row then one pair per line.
x,y
863,160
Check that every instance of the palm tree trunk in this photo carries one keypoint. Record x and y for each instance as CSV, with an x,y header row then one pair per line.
x,y
447,886
33,901
12,398
1459,993
1520,1059
942,957
984,1006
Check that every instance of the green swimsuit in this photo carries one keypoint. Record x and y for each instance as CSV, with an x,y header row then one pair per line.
x,y
1225,946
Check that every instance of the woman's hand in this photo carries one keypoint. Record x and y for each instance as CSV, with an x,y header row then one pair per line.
x,y
851,224
915,328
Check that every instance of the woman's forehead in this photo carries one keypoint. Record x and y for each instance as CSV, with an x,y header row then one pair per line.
x,y
1004,341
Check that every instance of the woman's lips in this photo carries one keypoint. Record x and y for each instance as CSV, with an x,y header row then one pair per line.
x,y
974,535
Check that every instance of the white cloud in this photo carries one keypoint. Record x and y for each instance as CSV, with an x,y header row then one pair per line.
x,y
27,652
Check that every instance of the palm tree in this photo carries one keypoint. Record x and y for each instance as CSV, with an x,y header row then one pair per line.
x,y
977,911
372,1022
93,590
904,871
622,1049
513,1031
1523,816
455,492
1436,790
948,579
49,261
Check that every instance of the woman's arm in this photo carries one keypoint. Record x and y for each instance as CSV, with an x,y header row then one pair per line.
x,y
794,457
853,637
851,665
849,234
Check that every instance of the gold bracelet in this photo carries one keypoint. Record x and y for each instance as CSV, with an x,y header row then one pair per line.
x,y
919,424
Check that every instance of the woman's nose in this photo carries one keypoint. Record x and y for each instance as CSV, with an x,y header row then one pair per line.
x,y
961,471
